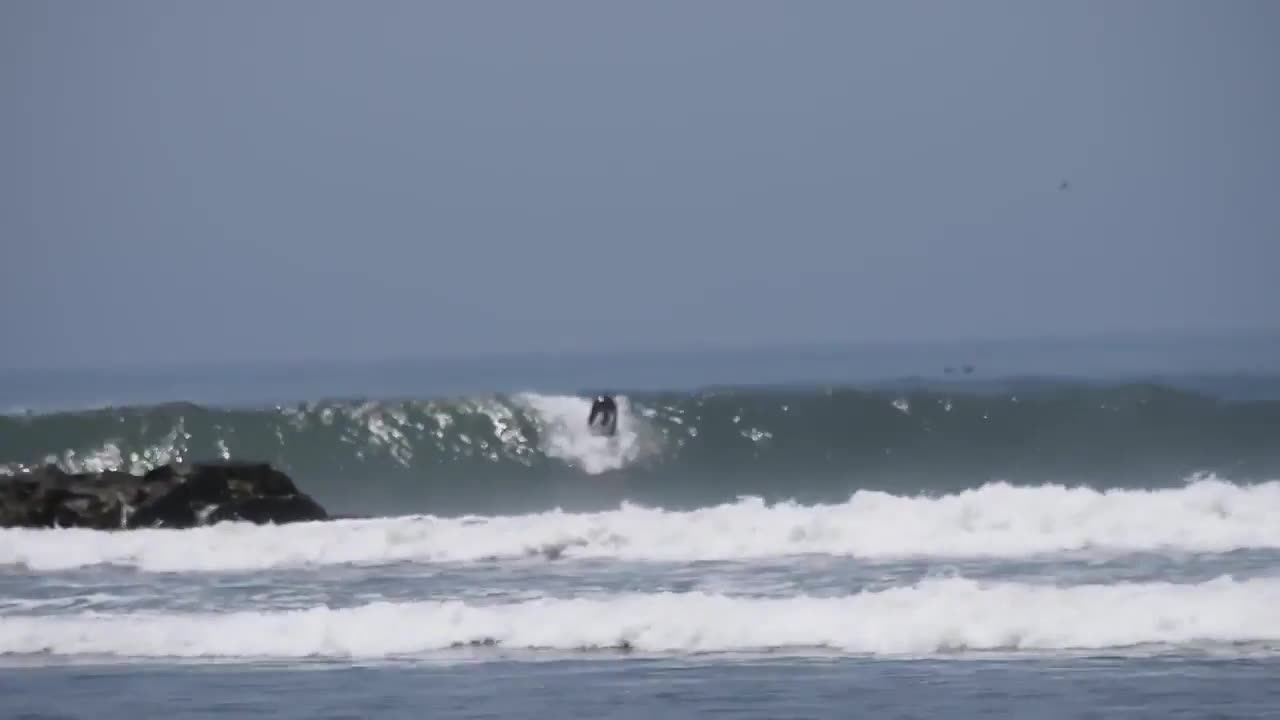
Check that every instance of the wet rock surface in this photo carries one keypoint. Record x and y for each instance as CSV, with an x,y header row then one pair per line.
x,y
169,496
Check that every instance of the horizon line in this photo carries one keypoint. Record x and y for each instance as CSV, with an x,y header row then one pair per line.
x,y
711,347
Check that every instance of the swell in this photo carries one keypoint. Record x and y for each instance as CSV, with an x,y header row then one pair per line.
x,y
528,452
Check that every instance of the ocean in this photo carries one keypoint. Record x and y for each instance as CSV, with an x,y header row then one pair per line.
x,y
1041,530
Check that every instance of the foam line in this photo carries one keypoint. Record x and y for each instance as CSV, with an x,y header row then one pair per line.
x,y
994,521
930,617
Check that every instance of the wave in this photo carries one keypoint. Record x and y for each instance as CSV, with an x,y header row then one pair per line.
x,y
994,521
933,616
525,452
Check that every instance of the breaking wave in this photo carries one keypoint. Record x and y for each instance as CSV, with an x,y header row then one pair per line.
x,y
933,616
994,521
526,452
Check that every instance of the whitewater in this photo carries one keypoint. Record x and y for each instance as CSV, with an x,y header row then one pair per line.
x,y
930,617
994,521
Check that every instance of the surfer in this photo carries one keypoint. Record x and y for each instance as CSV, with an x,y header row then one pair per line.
x,y
604,415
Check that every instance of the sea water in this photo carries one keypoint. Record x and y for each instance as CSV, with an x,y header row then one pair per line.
x,y
1014,547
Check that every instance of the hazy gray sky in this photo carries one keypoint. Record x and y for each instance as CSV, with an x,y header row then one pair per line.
x,y
243,180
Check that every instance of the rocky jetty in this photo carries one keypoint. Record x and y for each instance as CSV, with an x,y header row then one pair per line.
x,y
169,496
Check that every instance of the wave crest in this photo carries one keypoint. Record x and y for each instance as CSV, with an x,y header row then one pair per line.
x,y
512,454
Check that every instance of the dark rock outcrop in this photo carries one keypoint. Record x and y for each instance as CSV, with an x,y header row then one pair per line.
x,y
170,496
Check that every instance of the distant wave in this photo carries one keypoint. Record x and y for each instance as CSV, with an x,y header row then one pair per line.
x,y
525,452
930,617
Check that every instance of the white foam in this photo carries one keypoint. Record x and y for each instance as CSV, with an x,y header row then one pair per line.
x,y
564,434
994,521
932,616
29,605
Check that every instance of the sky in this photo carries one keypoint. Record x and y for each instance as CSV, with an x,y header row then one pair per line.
x,y
252,181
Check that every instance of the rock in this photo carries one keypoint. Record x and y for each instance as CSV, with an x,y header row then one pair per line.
x,y
49,497
260,510
170,496
15,501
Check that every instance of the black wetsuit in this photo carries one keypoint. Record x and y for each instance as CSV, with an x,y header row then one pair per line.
x,y
605,408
